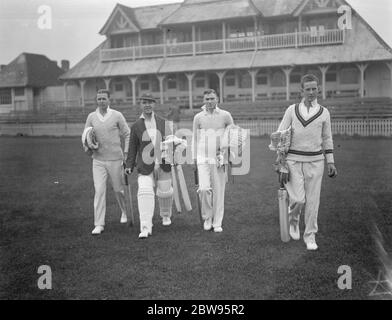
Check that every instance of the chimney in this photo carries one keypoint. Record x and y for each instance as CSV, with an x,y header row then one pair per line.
x,y
2,66
65,65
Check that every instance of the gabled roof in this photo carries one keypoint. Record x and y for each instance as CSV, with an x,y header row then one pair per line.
x,y
272,8
202,10
30,70
143,18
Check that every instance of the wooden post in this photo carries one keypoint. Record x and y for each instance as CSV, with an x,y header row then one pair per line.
x,y
193,40
133,81
299,30
389,65
256,29
362,67
324,70
107,83
164,43
82,84
65,94
224,36
253,74
13,98
161,78
190,88
221,75
287,72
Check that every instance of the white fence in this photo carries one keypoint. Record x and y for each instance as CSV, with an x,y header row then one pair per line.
x,y
354,127
258,128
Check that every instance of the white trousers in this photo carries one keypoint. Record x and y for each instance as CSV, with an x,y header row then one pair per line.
x,y
146,197
212,184
101,171
304,193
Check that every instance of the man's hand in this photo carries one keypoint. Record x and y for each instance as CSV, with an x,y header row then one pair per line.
x,y
332,172
284,178
128,171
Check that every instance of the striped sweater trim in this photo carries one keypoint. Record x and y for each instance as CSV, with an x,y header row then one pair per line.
x,y
307,122
310,153
306,153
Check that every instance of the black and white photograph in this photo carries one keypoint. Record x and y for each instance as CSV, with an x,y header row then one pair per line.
x,y
195,155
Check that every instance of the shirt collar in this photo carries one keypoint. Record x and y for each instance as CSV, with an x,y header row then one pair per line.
x,y
314,102
216,110
107,115
143,117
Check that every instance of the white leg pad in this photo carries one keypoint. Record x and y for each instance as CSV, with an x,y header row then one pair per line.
x,y
146,201
165,197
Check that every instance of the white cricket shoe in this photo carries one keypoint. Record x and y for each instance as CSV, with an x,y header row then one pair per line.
x,y
311,245
124,218
97,230
294,231
145,233
207,224
166,221
218,229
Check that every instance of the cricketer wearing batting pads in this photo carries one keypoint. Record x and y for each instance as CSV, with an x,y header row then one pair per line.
x,y
208,129
109,129
311,144
147,134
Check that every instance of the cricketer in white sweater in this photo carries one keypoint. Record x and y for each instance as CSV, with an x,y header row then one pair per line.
x,y
311,133
110,128
311,144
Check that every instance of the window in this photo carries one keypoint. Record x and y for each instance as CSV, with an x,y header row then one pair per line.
x,y
295,78
144,86
172,82
278,79
349,76
155,85
262,79
200,83
183,82
230,79
330,77
5,96
245,81
19,92
118,87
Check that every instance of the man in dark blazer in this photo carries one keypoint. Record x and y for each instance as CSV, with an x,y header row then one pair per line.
x,y
144,153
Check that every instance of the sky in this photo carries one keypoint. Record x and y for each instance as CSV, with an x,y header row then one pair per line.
x,y
75,24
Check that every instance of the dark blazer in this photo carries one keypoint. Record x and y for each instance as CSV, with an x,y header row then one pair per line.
x,y
137,145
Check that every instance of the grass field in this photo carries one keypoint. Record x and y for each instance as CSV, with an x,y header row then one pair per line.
x,y
46,210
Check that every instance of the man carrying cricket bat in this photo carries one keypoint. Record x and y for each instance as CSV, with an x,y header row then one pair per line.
x,y
147,133
208,129
311,144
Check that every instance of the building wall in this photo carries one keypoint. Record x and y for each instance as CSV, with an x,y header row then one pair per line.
x,y
378,81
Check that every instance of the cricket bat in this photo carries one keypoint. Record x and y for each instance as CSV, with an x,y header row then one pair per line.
x,y
284,214
175,189
130,201
196,175
183,188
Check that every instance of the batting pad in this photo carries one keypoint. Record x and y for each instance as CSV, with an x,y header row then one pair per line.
x,y
165,197
146,201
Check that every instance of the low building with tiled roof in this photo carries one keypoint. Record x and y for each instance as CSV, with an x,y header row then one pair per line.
x,y
28,80
248,50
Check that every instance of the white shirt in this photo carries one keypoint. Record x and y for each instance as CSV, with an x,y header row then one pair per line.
x,y
208,129
303,110
106,116
151,127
